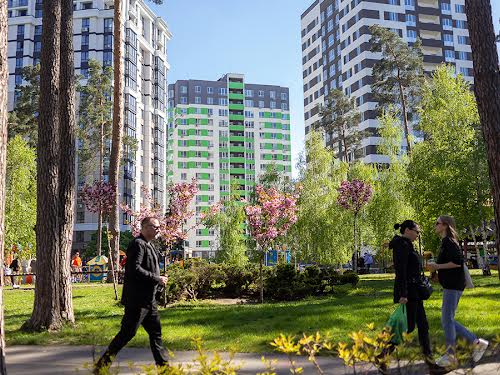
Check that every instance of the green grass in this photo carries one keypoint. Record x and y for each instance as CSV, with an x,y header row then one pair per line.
x,y
250,328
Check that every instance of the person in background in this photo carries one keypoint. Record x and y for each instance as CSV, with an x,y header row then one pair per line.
x,y
368,261
76,266
450,268
15,266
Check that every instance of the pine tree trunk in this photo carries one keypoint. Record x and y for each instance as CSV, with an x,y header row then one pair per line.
x,y
46,310
355,255
67,157
116,148
487,90
4,76
101,177
405,117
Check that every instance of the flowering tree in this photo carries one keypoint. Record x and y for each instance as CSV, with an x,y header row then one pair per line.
x,y
353,196
177,212
269,219
98,198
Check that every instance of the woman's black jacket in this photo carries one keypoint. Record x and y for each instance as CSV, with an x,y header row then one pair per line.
x,y
407,267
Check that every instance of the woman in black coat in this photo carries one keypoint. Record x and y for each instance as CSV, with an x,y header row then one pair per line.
x,y
408,269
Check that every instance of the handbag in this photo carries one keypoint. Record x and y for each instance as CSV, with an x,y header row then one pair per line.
x,y
424,288
468,279
398,323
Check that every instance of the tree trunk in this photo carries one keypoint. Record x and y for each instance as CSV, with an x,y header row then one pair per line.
x,y
405,117
344,141
67,157
479,259
101,176
487,91
261,277
4,76
47,305
355,255
116,148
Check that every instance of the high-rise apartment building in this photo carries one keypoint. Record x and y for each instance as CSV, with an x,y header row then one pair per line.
x,y
224,131
336,50
145,70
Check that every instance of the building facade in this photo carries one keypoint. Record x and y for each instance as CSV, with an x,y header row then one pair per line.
x,y
336,51
145,70
224,131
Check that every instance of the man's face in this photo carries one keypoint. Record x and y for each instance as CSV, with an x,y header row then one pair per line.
x,y
151,230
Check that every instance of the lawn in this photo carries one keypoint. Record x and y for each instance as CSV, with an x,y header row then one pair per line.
x,y
250,328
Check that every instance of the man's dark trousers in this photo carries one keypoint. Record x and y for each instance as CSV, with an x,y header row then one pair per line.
x,y
133,318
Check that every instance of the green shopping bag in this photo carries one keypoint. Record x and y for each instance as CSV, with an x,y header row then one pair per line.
x,y
398,323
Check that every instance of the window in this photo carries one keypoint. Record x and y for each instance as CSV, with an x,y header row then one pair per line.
x,y
411,19
329,26
446,7
19,62
459,8
197,100
18,79
197,89
447,23
84,57
20,30
273,105
284,107
261,93
411,35
85,40
249,93
393,2
20,46
261,104
108,41
86,6
284,96
38,30
409,3
391,16
210,100
108,25
223,112
38,13
462,55
464,71
222,91
184,89
448,39
248,103
249,114
107,59
85,24
462,39
461,24
184,100
222,101
38,46
210,90
449,55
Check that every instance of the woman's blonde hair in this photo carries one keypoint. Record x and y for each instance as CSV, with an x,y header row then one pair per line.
x,y
451,227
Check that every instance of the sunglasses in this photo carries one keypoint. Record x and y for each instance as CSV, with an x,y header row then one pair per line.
x,y
438,223
155,226
416,231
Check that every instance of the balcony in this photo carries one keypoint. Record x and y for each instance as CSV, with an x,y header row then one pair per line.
x,y
236,85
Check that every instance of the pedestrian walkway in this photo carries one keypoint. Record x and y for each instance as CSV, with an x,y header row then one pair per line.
x,y
57,360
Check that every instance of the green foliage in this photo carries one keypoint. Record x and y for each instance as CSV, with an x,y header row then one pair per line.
x,y
23,120
339,118
90,250
320,233
448,172
229,223
20,196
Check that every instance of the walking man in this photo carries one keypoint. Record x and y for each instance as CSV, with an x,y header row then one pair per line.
x,y
142,277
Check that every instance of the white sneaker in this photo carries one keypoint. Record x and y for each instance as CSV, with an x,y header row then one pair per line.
x,y
15,286
480,346
447,361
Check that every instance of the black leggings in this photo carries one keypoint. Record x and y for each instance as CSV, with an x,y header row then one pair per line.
x,y
416,317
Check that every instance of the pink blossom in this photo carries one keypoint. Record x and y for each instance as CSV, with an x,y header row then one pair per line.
x,y
99,196
353,195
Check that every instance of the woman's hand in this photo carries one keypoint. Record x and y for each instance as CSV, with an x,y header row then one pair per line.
x,y
403,300
433,266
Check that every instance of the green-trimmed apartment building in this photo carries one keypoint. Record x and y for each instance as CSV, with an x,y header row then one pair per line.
x,y
223,131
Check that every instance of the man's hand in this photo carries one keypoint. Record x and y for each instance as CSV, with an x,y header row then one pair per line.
x,y
163,280
432,266
403,300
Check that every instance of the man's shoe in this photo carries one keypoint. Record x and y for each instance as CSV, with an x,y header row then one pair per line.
x,y
480,346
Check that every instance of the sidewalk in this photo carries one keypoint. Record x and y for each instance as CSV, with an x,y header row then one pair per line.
x,y
57,360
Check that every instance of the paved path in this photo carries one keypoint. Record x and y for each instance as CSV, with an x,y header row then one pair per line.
x,y
57,360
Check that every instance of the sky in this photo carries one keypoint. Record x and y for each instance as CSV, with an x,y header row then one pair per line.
x,y
258,38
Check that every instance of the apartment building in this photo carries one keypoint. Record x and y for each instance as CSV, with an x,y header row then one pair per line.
x,y
224,131
336,51
145,70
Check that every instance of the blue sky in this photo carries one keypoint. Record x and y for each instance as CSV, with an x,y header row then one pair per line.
x,y
259,38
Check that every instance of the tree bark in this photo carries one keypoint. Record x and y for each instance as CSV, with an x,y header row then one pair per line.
x,y
487,91
355,255
101,175
405,117
67,157
116,147
46,310
4,77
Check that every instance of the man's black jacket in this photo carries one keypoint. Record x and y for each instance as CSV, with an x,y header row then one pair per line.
x,y
142,274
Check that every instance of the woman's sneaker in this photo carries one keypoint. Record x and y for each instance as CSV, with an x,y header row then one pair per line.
x,y
447,361
479,347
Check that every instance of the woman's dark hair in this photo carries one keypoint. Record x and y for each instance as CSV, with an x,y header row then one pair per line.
x,y
407,224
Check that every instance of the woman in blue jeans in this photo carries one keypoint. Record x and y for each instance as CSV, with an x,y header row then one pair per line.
x,y
450,267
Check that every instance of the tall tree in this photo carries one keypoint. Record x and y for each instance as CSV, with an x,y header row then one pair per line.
x,y
55,170
446,171
95,128
20,200
487,90
339,118
23,120
4,79
398,75
117,132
